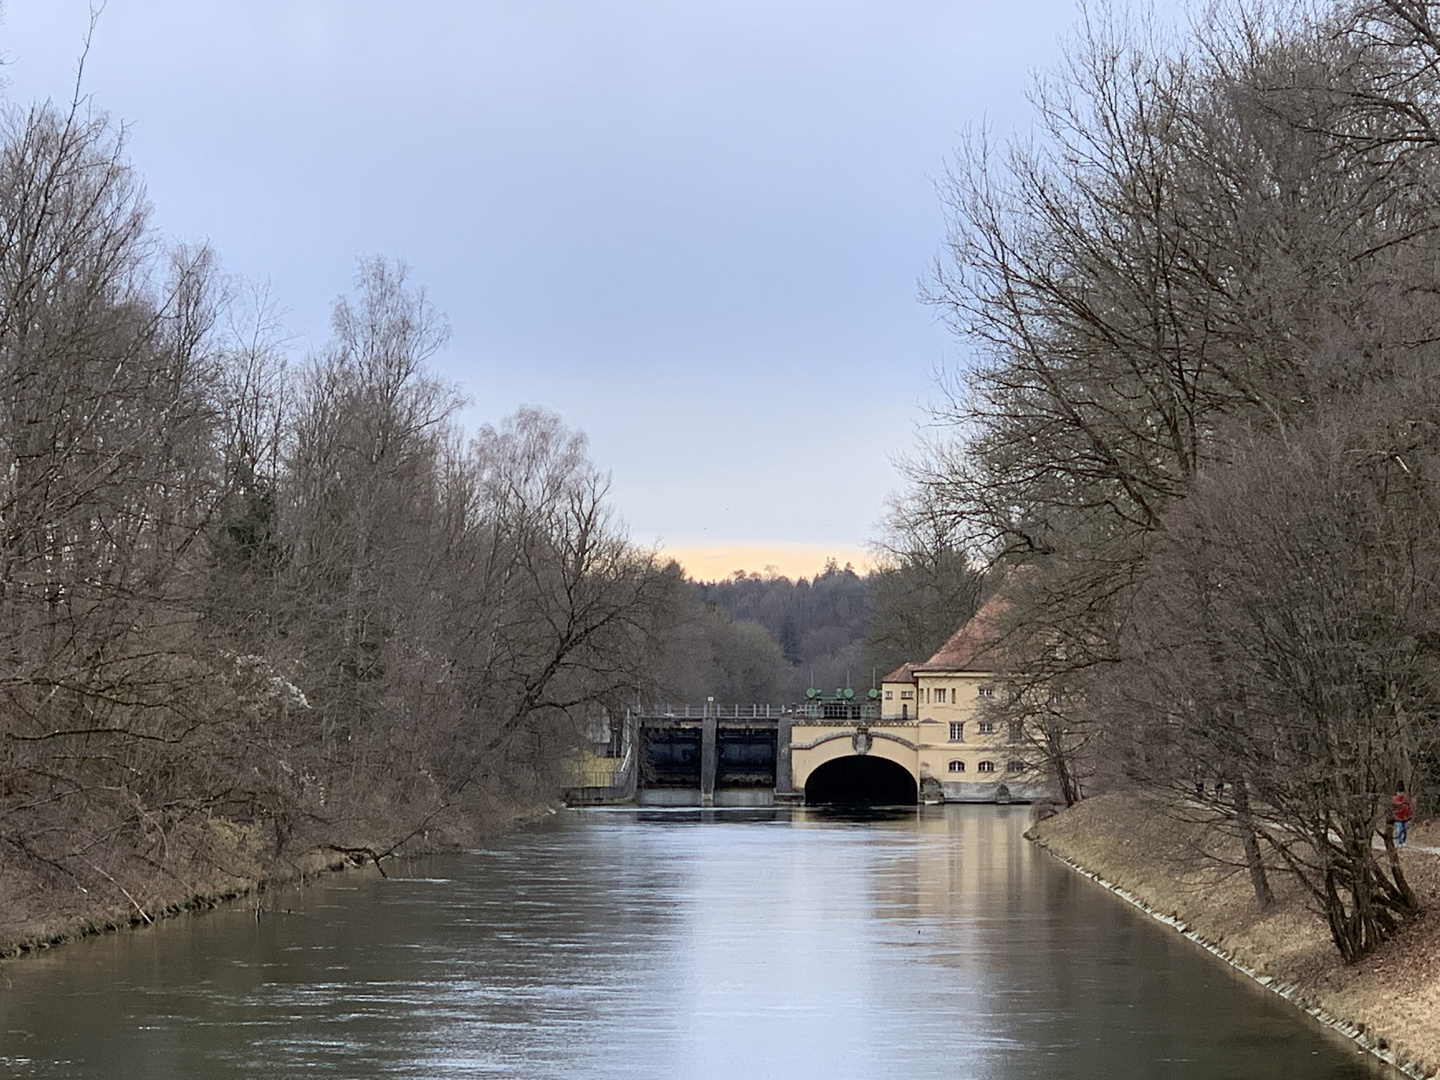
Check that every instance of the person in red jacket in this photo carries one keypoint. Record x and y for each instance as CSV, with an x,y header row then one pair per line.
x,y
1401,811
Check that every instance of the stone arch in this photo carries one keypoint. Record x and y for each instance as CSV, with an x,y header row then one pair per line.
x,y
861,779
808,756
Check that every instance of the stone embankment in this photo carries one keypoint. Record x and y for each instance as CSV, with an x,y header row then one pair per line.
x,y
1388,1003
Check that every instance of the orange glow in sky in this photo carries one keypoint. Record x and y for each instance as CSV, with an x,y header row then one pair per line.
x,y
790,560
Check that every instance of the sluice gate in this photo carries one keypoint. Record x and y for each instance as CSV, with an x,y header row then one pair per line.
x,y
709,760
690,756
670,756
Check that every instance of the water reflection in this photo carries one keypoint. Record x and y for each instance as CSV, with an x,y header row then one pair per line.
x,y
673,944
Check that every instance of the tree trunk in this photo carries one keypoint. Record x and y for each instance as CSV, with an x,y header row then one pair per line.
x,y
1254,861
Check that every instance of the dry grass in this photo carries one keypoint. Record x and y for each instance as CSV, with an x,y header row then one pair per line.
x,y
1393,995
46,902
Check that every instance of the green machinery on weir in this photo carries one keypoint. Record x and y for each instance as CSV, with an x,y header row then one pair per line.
x,y
843,706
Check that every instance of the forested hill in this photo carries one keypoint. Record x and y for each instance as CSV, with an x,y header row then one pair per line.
x,y
818,624
766,638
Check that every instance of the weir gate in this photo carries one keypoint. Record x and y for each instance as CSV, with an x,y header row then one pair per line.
x,y
733,760
702,755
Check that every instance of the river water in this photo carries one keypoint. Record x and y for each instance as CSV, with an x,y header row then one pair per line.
x,y
672,945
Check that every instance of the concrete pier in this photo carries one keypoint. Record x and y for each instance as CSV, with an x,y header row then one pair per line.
x,y
709,759
784,791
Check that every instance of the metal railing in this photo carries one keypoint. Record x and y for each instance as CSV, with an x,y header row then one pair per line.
x,y
822,709
709,709
838,710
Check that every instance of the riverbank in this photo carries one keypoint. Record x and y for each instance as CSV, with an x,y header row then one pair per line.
x,y
1389,1003
45,902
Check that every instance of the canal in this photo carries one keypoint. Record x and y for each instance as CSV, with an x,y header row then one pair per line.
x,y
672,945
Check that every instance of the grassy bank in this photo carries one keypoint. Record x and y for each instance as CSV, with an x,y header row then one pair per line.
x,y
1390,1002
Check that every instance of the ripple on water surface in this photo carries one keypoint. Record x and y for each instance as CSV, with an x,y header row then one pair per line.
x,y
932,943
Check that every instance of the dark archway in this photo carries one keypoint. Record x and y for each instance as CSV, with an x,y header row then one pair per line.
x,y
861,780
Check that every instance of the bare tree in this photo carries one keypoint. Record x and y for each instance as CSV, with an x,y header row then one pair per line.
x,y
107,426
560,617
1287,646
1218,238
248,607
926,584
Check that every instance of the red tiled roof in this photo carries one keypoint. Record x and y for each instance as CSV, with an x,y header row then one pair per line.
x,y
903,673
973,646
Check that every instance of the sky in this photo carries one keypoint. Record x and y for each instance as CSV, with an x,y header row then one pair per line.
x,y
694,228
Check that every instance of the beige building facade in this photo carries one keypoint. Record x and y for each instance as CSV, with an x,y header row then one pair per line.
x,y
931,720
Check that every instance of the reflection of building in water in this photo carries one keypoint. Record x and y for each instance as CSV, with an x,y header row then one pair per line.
x,y
939,860
961,854
986,856
928,720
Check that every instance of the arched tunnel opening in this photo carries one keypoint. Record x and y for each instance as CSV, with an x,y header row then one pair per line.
x,y
861,781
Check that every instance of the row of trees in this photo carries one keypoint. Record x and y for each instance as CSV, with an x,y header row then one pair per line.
x,y
288,597
1202,432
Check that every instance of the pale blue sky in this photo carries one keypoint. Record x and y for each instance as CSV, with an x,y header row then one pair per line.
x,y
694,229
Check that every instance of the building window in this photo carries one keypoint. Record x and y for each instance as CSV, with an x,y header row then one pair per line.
x,y
956,766
889,694
1017,766
907,695
986,691
987,727
1017,731
940,695
957,731
985,766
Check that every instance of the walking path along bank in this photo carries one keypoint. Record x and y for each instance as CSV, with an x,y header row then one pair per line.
x,y
1389,1002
